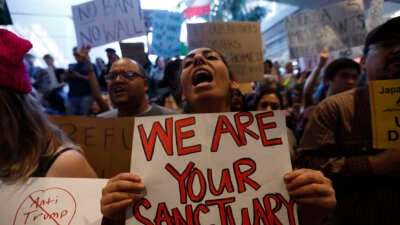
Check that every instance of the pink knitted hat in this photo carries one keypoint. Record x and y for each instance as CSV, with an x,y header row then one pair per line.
x,y
13,72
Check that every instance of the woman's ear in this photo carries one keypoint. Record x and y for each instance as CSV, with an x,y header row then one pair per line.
x,y
362,63
234,85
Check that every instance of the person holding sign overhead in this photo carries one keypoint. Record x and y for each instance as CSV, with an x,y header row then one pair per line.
x,y
338,141
30,145
206,84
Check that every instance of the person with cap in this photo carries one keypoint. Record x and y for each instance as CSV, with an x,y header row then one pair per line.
x,y
338,141
31,146
127,85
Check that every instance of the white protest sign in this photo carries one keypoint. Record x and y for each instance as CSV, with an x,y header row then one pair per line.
x,y
213,169
334,27
240,42
375,14
52,201
166,33
100,22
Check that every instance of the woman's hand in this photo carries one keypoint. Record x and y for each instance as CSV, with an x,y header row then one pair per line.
x,y
121,191
310,187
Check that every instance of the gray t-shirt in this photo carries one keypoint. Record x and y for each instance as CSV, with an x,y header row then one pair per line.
x,y
152,110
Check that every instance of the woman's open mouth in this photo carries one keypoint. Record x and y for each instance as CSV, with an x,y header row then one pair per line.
x,y
201,76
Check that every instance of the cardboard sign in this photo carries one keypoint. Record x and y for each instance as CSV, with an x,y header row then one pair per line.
x,y
334,27
134,51
100,22
107,142
166,33
213,169
5,18
240,42
60,201
385,113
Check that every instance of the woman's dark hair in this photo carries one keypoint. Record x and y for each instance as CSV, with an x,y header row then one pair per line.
x,y
243,106
267,92
269,62
223,57
29,136
339,64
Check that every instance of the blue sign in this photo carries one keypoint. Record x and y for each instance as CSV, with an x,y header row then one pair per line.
x,y
166,33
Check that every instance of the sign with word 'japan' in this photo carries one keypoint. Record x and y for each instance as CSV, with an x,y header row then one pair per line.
x,y
385,113
99,22
334,27
166,33
47,201
212,169
240,42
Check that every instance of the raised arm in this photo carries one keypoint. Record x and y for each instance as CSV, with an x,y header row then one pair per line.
x,y
92,79
311,81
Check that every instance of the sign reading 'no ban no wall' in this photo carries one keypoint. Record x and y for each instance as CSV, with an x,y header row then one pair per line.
x,y
100,22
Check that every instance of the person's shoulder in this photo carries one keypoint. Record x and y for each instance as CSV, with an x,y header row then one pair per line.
x,y
159,110
113,113
71,164
337,105
343,99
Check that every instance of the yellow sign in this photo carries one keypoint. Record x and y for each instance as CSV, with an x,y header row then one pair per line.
x,y
385,113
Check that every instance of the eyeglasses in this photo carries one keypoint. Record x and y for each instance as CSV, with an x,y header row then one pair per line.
x,y
126,75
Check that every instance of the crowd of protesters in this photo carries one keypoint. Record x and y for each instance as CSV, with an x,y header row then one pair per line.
x,y
327,115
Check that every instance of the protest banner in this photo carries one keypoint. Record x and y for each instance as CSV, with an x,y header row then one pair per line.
x,y
385,113
310,32
107,142
5,18
60,201
134,51
212,169
375,14
99,22
166,33
240,42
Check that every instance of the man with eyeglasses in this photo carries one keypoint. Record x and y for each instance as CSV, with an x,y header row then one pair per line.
x,y
127,85
338,141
